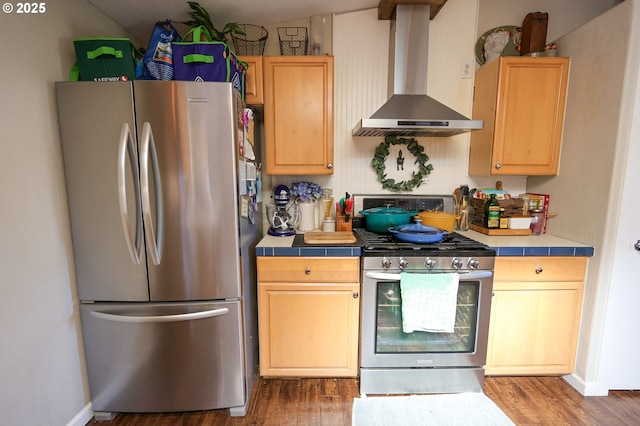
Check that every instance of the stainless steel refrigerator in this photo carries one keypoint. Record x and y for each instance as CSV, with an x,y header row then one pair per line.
x,y
164,258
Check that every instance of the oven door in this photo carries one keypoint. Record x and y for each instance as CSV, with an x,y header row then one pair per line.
x,y
384,344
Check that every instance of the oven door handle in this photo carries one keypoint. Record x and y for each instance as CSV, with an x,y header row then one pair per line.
x,y
464,276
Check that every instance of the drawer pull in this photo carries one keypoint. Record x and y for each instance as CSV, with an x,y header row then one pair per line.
x,y
307,271
539,270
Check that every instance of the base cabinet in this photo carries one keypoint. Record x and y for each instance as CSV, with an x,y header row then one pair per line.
x,y
308,316
535,315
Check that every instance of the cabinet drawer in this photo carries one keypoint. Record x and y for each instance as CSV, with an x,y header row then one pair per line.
x,y
531,268
309,269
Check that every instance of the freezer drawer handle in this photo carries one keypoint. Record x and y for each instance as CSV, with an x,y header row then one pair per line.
x,y
148,149
466,276
161,318
125,147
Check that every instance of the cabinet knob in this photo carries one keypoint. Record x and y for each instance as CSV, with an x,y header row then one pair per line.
x,y
307,271
539,270
330,166
637,245
498,166
356,294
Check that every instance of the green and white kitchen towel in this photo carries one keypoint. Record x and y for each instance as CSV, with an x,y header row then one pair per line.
x,y
429,302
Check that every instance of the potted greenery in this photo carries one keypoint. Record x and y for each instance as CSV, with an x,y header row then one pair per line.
x,y
200,16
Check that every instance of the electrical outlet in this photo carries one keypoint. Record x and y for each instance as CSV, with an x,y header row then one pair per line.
x,y
466,68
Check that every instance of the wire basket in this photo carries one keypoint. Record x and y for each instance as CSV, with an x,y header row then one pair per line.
x,y
293,40
252,43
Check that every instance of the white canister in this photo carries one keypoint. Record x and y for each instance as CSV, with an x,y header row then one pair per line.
x,y
329,225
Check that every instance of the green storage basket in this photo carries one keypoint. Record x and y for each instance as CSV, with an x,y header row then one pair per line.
x,y
105,59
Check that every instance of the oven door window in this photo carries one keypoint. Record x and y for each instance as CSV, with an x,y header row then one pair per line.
x,y
391,339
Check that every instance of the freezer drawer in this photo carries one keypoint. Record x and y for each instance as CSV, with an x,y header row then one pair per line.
x,y
164,357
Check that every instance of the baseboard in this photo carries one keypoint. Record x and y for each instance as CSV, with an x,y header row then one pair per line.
x,y
83,417
585,388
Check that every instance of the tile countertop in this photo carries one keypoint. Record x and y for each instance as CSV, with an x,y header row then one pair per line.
x,y
282,246
532,245
538,245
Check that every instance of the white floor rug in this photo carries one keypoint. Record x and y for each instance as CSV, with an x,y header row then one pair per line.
x,y
473,409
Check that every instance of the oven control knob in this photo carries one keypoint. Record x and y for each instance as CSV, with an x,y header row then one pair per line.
x,y
473,263
386,263
430,263
456,264
403,263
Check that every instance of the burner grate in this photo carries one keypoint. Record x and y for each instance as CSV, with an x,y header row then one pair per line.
x,y
451,244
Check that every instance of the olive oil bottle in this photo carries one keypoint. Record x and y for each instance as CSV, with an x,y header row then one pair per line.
x,y
492,213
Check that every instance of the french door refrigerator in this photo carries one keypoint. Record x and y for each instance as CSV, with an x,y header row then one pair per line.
x,y
163,258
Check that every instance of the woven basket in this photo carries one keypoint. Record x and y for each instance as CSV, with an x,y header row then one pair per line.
x,y
252,43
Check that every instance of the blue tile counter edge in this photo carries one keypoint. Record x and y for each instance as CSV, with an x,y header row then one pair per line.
x,y
538,245
282,246
543,245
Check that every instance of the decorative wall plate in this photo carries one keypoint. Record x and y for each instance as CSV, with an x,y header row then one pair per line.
x,y
511,49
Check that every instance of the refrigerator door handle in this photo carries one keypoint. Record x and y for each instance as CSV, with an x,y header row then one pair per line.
x,y
160,318
148,152
126,149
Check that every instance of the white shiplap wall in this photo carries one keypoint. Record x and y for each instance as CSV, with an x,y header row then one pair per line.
x,y
361,50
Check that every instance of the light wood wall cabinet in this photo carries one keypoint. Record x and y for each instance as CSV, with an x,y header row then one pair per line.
x,y
253,80
308,316
535,315
298,115
522,102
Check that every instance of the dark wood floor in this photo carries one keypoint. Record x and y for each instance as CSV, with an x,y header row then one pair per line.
x,y
526,400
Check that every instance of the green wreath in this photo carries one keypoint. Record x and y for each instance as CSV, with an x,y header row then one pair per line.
x,y
417,177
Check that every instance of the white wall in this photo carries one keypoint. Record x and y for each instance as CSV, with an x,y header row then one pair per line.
x,y
620,348
42,377
564,15
594,152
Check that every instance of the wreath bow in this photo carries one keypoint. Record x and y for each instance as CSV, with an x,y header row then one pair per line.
x,y
417,177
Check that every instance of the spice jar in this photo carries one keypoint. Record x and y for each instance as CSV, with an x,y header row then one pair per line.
x,y
329,225
537,221
504,220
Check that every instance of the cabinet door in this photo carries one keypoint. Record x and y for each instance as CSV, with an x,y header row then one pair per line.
x,y
298,115
308,330
534,328
522,102
535,315
253,80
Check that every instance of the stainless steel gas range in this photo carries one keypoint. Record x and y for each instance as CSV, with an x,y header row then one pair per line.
x,y
393,361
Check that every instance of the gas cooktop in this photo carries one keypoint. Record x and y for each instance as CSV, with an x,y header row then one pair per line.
x,y
453,244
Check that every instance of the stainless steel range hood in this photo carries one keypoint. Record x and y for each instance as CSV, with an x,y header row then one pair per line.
x,y
409,111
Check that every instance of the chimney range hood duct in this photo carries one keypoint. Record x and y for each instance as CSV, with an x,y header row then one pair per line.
x,y
409,111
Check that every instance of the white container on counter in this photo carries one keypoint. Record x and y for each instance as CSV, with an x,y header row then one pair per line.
x,y
329,225
519,222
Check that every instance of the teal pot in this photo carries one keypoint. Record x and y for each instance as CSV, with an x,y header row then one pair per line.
x,y
380,219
